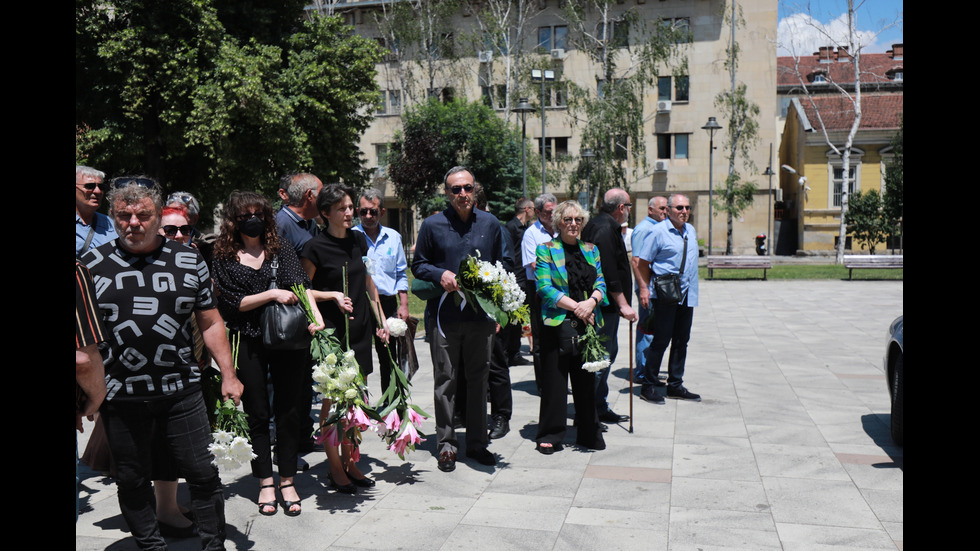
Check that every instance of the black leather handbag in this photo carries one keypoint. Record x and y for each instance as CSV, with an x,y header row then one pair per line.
x,y
668,286
569,333
284,326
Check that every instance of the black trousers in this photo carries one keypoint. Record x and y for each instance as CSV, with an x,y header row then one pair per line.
x,y
556,370
183,422
672,327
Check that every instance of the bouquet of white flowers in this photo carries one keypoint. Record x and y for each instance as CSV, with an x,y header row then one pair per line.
x,y
594,355
494,290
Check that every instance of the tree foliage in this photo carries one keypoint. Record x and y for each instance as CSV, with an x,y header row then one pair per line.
x,y
629,54
200,96
742,133
437,136
866,219
893,203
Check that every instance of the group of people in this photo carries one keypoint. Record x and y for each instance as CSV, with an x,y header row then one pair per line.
x,y
161,301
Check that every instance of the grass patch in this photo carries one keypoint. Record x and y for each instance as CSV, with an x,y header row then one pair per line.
x,y
804,271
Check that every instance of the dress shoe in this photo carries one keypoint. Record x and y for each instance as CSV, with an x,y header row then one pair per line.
x,y
611,416
597,444
482,456
344,489
652,396
681,393
519,360
499,427
447,461
603,427
362,482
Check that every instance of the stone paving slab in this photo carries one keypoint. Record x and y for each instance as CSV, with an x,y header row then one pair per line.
x,y
788,450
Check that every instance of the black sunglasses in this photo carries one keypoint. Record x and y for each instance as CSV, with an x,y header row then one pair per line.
x,y
366,211
248,216
683,207
90,186
171,231
459,189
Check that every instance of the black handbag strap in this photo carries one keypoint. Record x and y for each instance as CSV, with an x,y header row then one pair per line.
x,y
275,268
684,258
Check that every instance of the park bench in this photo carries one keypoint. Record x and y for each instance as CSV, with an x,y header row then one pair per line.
x,y
872,262
739,263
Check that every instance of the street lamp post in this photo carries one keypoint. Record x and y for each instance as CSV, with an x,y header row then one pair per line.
x,y
770,174
543,76
712,126
524,109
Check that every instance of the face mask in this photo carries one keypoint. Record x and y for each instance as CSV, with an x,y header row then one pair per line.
x,y
253,227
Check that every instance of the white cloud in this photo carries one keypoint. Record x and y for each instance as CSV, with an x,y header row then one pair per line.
x,y
800,34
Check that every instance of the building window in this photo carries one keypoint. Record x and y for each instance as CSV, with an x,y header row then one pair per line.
x,y
679,92
835,169
556,94
555,37
554,147
495,96
679,28
601,86
618,34
621,148
390,102
672,146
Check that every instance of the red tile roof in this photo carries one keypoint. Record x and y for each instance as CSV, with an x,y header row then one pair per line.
x,y
879,111
874,68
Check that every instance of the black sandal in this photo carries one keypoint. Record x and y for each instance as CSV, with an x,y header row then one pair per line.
x,y
273,504
287,505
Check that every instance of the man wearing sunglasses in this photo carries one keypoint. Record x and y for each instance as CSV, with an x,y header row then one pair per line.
x,y
462,337
604,230
91,228
389,269
671,248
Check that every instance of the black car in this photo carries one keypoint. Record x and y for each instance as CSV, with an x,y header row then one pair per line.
x,y
894,370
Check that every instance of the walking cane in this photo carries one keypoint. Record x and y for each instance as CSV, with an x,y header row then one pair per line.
x,y
631,377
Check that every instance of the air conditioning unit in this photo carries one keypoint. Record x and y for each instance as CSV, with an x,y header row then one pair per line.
x,y
486,56
661,165
558,54
663,106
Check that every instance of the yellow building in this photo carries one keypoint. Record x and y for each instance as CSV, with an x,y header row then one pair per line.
x,y
810,207
674,109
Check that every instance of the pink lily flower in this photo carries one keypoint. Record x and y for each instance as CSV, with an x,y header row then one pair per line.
x,y
415,418
392,421
329,435
357,418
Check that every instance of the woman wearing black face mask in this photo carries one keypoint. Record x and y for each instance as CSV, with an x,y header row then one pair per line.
x,y
242,269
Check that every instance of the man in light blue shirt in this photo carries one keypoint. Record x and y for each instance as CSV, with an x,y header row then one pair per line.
x,y
656,213
540,232
297,218
91,228
388,269
664,253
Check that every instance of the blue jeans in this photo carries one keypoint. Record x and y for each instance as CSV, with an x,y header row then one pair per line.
x,y
183,422
610,329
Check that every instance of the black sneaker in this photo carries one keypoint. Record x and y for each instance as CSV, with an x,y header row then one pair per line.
x,y
499,427
652,396
681,393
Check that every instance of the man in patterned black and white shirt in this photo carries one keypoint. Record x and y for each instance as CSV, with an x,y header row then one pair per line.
x,y
148,289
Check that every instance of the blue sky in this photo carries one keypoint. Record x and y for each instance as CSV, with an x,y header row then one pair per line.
x,y
802,24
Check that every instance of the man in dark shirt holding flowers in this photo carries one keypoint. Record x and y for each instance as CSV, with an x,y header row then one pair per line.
x,y
462,335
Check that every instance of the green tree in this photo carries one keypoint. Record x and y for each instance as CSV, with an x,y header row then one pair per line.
x,y
892,200
629,55
866,219
742,133
168,90
437,136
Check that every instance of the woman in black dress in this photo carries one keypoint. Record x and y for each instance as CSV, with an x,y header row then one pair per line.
x,y
335,253
243,267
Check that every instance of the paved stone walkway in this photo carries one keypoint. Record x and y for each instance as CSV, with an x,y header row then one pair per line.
x,y
788,450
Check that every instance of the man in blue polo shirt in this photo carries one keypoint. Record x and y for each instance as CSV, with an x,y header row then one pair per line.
x,y
672,248
297,219
91,228
388,269
656,213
